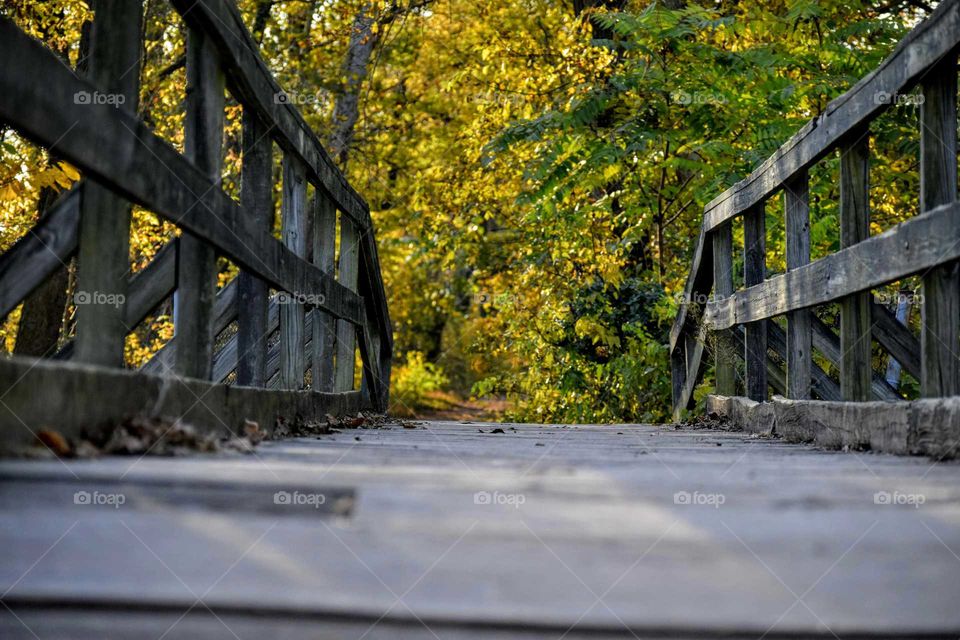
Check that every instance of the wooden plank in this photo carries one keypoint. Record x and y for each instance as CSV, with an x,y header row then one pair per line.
x,y
197,260
348,266
152,285
913,246
725,363
940,326
256,196
144,168
796,206
773,371
293,206
923,47
44,249
896,339
224,312
754,272
693,349
104,236
254,86
828,344
323,327
697,287
855,372
821,384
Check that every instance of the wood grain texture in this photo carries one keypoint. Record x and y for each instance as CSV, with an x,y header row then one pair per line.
x,y
293,207
724,356
348,270
855,373
754,272
940,310
796,198
104,236
256,196
145,169
913,246
324,327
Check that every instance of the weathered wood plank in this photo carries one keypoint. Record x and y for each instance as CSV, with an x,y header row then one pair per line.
x,y
255,87
796,206
104,236
772,369
348,269
913,246
896,339
923,47
197,260
821,384
828,344
940,326
44,249
145,169
754,272
855,342
698,285
256,196
724,362
294,232
324,327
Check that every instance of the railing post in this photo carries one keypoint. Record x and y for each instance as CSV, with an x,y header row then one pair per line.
x,y
294,232
346,331
855,368
940,331
256,197
726,371
799,335
324,325
104,240
196,259
754,272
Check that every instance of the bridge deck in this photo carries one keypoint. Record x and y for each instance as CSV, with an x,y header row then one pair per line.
x,y
587,534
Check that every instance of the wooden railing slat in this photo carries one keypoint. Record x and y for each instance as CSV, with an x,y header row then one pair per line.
x,y
855,378
348,269
940,325
294,231
724,361
799,357
104,234
754,272
324,327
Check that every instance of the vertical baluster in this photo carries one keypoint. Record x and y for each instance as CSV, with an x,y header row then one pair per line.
x,y
104,251
196,260
754,272
324,325
799,331
346,331
726,371
855,370
940,333
256,196
294,232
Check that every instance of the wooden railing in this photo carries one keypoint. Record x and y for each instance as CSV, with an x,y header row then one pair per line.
x,y
740,322
326,304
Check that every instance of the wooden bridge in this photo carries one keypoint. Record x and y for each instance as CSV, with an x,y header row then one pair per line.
x,y
379,529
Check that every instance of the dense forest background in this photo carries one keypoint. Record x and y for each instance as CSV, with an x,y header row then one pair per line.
x,y
536,169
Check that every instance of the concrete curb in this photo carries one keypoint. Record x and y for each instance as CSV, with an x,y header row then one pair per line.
x,y
77,399
928,427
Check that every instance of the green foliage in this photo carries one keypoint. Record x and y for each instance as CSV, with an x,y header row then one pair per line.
x,y
414,381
